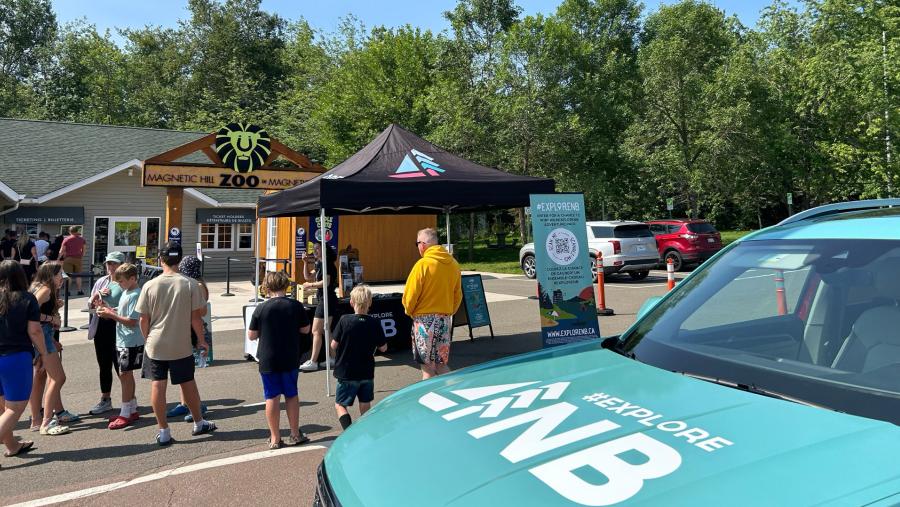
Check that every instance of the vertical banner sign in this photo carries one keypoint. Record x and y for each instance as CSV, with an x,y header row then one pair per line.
x,y
175,235
565,282
300,243
330,229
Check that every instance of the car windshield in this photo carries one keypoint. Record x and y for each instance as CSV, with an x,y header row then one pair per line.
x,y
702,228
632,231
817,320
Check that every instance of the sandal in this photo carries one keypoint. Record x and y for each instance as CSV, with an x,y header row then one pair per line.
x,y
67,417
276,445
54,429
24,446
299,440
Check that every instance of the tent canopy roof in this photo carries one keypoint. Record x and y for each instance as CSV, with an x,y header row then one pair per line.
x,y
399,172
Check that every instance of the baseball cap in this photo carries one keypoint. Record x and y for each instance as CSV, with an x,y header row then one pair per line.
x,y
172,250
117,257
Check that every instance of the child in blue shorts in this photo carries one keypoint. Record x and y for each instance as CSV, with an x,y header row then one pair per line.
x,y
278,324
354,341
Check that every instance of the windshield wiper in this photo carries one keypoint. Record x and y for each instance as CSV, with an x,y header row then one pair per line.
x,y
750,388
614,344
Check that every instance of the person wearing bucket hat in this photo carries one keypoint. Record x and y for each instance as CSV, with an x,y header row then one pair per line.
x,y
106,293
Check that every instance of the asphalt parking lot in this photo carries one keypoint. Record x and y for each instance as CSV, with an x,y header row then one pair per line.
x,y
95,466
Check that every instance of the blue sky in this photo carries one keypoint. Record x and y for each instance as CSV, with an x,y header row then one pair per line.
x,y
325,14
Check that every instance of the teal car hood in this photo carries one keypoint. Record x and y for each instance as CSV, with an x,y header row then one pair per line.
x,y
596,428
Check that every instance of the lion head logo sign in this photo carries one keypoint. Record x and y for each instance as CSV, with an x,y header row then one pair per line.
x,y
243,147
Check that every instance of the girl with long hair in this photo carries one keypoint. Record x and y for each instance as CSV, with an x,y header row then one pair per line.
x,y
45,289
314,280
20,337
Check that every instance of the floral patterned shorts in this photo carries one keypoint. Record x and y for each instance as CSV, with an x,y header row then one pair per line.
x,y
431,339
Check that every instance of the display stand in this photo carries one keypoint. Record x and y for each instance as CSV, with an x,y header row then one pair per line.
x,y
473,311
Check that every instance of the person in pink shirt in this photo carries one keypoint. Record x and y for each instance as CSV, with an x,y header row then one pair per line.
x,y
71,254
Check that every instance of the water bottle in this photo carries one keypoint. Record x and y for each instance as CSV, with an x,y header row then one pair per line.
x,y
202,359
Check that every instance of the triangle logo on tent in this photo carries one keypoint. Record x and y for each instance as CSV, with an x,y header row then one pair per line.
x,y
426,166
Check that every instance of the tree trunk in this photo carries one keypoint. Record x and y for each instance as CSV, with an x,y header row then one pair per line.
x,y
523,230
471,237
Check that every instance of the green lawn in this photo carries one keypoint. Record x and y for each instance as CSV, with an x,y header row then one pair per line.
x,y
489,260
732,236
506,260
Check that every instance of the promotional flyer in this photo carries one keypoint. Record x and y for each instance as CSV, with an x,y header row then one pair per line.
x,y
562,259
331,231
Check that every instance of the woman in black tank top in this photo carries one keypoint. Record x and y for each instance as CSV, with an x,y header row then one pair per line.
x,y
46,289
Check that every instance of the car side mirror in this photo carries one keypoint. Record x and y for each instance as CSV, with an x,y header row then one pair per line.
x,y
647,306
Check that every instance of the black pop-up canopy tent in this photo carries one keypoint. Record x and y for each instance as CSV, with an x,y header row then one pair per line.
x,y
399,172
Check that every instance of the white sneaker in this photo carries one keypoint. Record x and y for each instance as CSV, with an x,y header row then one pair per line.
x,y
330,363
309,366
105,405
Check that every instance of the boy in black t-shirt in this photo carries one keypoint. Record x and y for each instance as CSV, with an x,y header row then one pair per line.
x,y
278,324
354,341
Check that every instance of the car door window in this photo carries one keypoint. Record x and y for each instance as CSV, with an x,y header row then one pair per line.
x,y
673,229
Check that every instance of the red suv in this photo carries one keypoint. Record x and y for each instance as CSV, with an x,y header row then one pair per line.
x,y
685,241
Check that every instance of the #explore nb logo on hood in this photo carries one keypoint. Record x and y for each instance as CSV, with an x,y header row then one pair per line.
x,y
624,479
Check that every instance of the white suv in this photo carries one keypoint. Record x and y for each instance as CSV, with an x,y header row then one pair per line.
x,y
627,247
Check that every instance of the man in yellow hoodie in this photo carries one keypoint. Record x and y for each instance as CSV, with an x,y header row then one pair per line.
x,y
433,293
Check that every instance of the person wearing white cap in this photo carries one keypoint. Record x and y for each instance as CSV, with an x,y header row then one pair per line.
x,y
106,293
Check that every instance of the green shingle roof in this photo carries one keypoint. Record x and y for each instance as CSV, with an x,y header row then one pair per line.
x,y
39,157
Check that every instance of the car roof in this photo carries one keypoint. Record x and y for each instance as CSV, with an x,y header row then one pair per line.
x,y
880,223
678,221
613,223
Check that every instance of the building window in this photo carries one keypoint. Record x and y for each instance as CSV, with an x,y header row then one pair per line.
x,y
226,236
245,236
223,239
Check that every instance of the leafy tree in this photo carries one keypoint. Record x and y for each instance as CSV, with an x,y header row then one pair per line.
x,y
156,73
27,28
85,79
688,122
385,81
236,71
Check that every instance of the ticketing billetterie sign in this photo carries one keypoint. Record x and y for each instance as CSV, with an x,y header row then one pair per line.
x,y
562,258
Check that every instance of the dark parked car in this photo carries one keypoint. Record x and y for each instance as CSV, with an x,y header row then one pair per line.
x,y
685,241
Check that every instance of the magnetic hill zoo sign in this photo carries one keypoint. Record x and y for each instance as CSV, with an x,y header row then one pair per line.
x,y
242,149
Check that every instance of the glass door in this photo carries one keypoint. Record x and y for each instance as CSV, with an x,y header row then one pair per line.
x,y
125,234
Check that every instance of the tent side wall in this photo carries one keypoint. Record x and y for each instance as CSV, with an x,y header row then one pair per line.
x,y
386,243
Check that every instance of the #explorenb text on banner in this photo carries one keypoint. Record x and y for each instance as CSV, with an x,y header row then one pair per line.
x,y
565,282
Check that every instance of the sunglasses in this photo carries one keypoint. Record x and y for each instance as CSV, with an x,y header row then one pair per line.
x,y
420,243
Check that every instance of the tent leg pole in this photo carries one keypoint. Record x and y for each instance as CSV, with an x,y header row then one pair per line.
x,y
327,341
256,266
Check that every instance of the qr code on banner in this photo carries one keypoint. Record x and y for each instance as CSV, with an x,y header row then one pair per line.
x,y
562,246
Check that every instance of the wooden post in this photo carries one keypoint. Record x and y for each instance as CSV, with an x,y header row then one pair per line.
x,y
174,203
